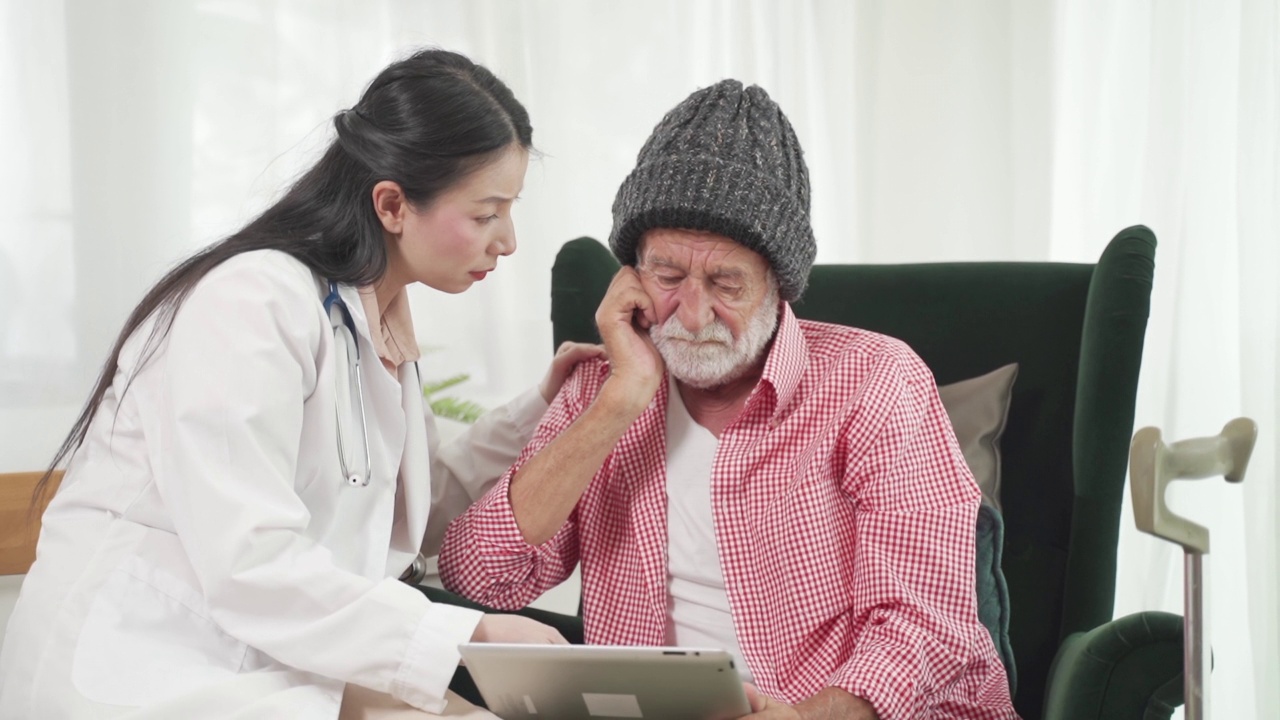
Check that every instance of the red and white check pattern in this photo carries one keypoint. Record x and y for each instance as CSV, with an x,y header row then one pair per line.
x,y
844,514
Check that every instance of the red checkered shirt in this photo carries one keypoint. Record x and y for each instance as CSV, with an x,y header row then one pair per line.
x,y
844,516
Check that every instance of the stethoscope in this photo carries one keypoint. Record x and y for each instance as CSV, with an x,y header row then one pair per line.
x,y
344,335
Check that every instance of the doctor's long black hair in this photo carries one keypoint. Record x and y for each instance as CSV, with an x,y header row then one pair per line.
x,y
425,123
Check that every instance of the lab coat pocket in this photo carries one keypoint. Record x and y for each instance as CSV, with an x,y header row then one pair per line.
x,y
147,637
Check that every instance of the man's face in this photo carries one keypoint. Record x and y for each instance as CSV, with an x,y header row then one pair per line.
x,y
717,304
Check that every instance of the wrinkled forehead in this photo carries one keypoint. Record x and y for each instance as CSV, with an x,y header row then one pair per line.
x,y
698,251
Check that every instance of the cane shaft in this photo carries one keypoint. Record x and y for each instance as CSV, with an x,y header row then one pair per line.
x,y
1195,670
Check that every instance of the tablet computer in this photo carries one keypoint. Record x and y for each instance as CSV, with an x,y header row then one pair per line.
x,y
587,682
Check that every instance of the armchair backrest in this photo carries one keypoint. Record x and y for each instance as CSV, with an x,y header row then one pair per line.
x,y
1076,331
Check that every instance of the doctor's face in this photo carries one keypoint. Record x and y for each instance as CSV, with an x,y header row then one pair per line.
x,y
456,240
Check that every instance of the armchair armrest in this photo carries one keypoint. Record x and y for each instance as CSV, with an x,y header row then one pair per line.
x,y
1127,669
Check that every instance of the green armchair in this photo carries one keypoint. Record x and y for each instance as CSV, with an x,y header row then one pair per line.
x,y
1076,331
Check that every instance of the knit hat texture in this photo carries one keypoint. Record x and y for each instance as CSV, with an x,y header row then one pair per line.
x,y
727,161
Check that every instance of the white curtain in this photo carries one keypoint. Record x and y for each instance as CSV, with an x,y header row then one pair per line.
x,y
134,131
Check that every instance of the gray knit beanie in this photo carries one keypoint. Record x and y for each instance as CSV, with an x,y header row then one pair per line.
x,y
727,161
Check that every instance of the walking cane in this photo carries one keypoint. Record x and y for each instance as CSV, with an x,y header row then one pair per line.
x,y
1152,465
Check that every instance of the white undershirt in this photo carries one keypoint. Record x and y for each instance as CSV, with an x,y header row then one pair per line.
x,y
698,608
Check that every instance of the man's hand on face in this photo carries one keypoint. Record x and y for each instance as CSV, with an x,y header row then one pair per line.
x,y
624,318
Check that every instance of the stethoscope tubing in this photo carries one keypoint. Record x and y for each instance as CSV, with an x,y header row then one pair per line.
x,y
344,320
417,570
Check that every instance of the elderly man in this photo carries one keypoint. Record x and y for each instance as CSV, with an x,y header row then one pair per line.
x,y
735,477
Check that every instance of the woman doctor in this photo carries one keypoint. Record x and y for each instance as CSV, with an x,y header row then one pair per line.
x,y
256,466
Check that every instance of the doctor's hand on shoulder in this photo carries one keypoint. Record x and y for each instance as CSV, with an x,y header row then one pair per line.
x,y
502,628
567,357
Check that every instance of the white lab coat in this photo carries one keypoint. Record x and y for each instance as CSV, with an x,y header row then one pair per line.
x,y
205,557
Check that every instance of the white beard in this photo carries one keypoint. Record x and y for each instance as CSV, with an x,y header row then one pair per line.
x,y
712,357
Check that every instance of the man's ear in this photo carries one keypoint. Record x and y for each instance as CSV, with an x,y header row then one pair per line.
x,y
390,204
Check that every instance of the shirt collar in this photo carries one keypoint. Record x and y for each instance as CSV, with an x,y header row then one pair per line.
x,y
788,357
392,331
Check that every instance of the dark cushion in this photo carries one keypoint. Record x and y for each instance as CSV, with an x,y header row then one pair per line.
x,y
993,592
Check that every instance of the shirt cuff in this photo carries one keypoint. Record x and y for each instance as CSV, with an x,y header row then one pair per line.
x,y
432,656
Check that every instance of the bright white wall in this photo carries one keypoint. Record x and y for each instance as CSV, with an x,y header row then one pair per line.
x,y
134,131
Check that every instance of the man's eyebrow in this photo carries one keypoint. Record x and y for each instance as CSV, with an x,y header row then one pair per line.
x,y
729,274
658,261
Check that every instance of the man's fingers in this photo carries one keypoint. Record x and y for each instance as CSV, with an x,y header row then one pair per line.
x,y
628,294
645,315
625,306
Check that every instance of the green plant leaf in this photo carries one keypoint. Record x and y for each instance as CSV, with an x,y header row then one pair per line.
x,y
451,407
432,387
456,409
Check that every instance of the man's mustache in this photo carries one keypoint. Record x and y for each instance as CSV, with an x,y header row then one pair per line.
x,y
714,332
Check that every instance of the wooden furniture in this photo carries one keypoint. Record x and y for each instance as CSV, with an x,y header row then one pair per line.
x,y
19,522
